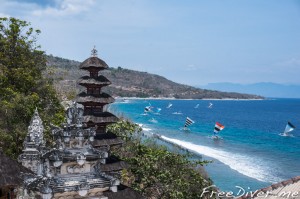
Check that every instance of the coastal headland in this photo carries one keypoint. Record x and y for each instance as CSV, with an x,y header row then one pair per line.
x,y
133,84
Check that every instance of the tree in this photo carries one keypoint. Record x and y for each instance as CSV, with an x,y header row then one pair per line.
x,y
22,85
156,172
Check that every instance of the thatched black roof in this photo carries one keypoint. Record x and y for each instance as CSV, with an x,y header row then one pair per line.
x,y
10,171
109,142
93,62
108,135
104,117
116,166
104,98
104,139
113,164
123,192
100,80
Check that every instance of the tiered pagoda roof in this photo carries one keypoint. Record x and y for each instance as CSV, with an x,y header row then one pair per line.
x,y
113,165
94,100
102,98
93,62
100,80
99,118
107,139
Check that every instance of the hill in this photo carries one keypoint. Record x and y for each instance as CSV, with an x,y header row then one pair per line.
x,y
130,83
267,89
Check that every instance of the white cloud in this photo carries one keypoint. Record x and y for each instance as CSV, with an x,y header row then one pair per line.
x,y
65,8
72,26
113,13
16,9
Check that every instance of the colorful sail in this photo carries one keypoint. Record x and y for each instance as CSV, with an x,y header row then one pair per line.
x,y
157,112
289,127
218,127
148,108
188,122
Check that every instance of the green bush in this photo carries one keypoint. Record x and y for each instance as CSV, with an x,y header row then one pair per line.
x,y
156,172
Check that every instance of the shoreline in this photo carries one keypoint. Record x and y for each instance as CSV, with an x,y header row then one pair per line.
x,y
165,98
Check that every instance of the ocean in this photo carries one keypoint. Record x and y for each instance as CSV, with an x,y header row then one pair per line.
x,y
251,154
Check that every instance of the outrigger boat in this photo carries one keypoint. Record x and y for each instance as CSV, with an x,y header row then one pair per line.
x,y
218,127
288,128
169,105
188,122
157,111
147,109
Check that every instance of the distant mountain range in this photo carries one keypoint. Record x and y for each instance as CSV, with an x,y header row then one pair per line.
x,y
266,89
130,83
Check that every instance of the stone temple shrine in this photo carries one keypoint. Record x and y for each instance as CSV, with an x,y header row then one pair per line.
x,y
69,170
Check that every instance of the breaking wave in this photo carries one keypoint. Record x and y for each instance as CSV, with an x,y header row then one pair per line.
x,y
248,166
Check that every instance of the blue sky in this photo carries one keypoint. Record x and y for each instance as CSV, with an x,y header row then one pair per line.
x,y
193,42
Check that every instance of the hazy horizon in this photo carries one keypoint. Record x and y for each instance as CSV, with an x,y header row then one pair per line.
x,y
266,89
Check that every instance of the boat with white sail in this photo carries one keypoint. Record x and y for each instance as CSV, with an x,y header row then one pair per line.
x,y
169,105
288,128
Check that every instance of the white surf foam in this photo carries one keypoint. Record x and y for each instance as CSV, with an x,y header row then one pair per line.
x,y
143,127
248,166
146,129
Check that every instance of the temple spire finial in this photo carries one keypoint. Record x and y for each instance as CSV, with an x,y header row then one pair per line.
x,y
94,52
36,111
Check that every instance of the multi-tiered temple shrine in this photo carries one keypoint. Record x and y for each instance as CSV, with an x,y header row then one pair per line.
x,y
94,99
95,113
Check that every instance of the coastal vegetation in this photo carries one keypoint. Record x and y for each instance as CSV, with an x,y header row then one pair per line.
x,y
156,172
23,87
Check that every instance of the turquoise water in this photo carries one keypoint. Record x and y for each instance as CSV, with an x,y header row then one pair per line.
x,y
251,154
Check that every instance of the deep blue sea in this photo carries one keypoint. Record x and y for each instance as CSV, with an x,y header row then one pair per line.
x,y
251,154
